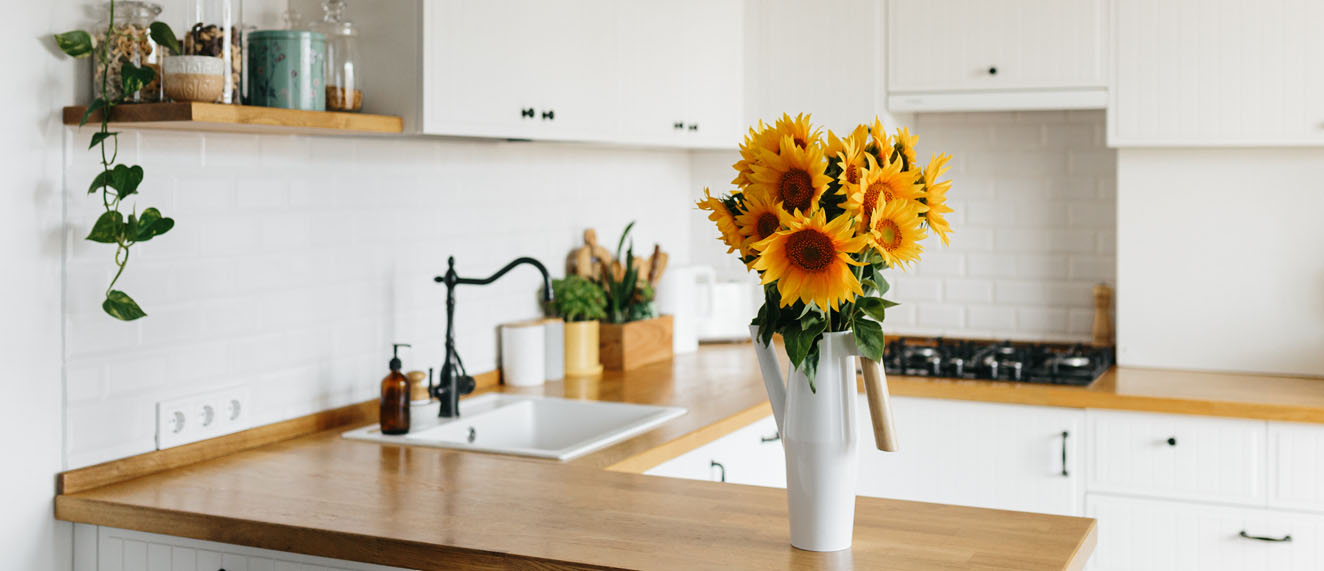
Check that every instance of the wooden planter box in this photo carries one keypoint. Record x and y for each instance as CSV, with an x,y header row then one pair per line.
x,y
626,346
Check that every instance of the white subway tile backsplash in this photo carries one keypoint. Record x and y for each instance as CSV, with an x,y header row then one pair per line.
x,y
944,317
295,261
1042,319
968,291
991,318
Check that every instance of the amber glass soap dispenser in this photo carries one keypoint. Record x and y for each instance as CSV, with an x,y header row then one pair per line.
x,y
395,396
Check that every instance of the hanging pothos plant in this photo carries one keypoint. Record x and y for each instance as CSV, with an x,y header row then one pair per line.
x,y
116,181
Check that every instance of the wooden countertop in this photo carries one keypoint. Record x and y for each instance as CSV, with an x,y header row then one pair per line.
x,y
425,508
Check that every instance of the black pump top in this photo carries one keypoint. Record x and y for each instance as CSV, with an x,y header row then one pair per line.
x,y
395,355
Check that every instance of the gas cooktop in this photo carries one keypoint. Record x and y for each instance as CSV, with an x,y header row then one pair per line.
x,y
1046,363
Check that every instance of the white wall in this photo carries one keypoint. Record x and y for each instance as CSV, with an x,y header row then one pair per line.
x,y
1035,227
30,367
296,261
1221,259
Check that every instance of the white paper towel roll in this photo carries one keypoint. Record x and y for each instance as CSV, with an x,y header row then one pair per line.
x,y
523,354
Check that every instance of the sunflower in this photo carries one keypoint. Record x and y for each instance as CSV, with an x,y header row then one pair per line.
x,y
904,145
762,218
852,165
896,233
721,215
798,129
880,185
748,154
935,196
794,177
810,260
835,145
880,141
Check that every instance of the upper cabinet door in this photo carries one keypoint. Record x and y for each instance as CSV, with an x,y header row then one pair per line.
x,y
1217,73
954,45
653,60
786,75
520,68
1005,48
478,79
714,42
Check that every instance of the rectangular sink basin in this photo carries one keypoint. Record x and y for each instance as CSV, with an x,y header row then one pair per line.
x,y
543,427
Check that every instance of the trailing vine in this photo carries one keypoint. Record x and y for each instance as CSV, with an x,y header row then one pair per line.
x,y
116,181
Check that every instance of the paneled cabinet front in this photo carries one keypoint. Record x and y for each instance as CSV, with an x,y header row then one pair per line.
x,y
1155,535
995,53
1217,73
606,71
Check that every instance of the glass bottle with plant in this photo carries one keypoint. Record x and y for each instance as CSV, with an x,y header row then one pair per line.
x,y
581,302
117,182
629,297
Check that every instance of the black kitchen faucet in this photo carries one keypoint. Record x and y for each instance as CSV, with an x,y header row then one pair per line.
x,y
454,380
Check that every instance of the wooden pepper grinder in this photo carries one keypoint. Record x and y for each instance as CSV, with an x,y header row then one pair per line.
x,y
1103,323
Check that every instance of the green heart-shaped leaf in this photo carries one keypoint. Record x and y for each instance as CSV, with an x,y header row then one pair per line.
x,y
77,44
122,307
108,228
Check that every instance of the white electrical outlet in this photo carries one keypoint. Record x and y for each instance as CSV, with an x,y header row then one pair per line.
x,y
199,417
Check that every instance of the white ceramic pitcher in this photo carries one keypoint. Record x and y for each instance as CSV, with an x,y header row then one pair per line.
x,y
819,436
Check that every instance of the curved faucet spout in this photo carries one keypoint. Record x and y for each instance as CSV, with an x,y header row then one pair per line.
x,y
454,379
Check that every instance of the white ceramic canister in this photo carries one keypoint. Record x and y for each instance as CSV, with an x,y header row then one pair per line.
x,y
523,354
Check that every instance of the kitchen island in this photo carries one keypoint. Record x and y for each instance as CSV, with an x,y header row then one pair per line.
x,y
424,508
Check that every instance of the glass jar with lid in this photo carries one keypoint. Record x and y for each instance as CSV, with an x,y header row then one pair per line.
x,y
217,31
127,41
344,85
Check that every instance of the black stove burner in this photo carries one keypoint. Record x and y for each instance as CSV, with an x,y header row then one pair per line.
x,y
1047,363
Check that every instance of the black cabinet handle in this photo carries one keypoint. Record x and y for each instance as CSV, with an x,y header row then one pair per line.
x,y
1065,434
719,466
678,125
1283,539
1172,441
526,112
694,126
549,114
775,437
992,70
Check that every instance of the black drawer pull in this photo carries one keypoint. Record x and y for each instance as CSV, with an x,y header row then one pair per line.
x,y
1283,539
549,114
1172,441
993,71
719,466
1065,434
775,437
678,125
526,112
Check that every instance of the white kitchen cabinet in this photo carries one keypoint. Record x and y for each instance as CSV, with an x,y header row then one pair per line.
x,y
947,55
1177,456
1296,466
840,87
751,455
976,454
602,71
1002,456
681,68
99,548
1145,535
1217,73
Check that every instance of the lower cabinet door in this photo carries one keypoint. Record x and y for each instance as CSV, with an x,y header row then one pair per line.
x,y
126,550
1002,456
1144,534
752,455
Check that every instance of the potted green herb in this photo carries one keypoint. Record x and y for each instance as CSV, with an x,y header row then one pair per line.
x,y
634,335
581,303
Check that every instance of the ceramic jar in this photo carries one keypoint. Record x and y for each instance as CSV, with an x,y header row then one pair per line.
x,y
194,78
286,69
217,32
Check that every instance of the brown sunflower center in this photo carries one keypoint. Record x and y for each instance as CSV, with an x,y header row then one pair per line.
x,y
766,225
796,190
889,234
871,198
853,173
810,250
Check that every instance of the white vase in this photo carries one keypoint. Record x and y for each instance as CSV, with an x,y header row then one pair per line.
x,y
819,436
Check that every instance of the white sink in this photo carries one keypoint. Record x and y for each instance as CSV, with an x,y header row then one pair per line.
x,y
544,427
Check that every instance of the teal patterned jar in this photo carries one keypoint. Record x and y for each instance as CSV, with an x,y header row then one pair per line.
x,y
286,69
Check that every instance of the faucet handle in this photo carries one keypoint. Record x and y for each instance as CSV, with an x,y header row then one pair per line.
x,y
465,384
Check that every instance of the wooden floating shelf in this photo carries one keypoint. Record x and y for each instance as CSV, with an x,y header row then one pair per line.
x,y
239,119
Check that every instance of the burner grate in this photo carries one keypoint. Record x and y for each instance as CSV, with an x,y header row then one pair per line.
x,y
1044,363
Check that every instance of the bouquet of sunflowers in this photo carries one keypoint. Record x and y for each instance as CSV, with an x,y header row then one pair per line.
x,y
820,219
